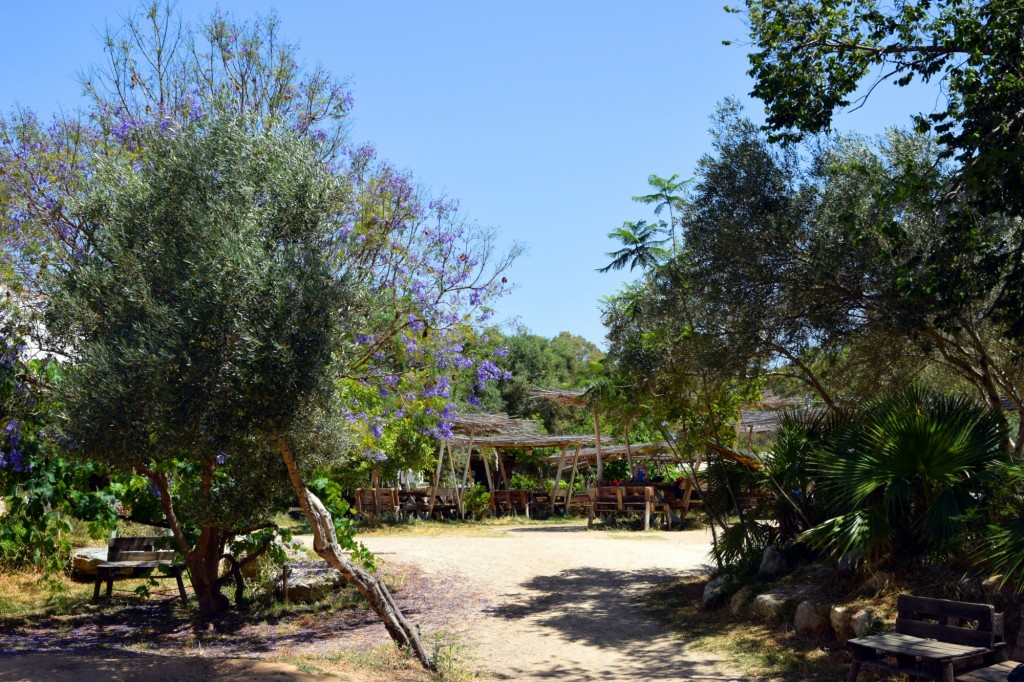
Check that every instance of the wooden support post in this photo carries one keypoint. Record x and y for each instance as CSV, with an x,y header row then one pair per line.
x,y
629,453
437,478
648,503
487,469
691,483
558,479
572,479
501,465
465,473
597,448
455,481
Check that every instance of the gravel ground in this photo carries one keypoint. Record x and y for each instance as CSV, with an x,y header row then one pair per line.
x,y
558,602
539,602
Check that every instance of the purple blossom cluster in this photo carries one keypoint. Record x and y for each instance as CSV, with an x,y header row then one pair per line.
x,y
11,436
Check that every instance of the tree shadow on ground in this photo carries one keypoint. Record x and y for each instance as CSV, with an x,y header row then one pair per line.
x,y
164,626
547,529
603,608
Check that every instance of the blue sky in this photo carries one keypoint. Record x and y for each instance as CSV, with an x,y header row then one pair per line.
x,y
542,118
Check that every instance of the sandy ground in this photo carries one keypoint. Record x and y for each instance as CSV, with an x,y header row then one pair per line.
x,y
559,602
534,602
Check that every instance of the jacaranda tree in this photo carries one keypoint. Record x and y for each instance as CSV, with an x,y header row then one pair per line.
x,y
228,276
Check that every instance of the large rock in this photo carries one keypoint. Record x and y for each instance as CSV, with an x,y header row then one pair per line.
x,y
771,606
740,602
850,561
308,583
839,618
863,622
85,559
811,618
877,580
715,592
773,563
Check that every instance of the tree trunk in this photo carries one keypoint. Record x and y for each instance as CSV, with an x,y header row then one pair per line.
x,y
325,544
203,560
204,568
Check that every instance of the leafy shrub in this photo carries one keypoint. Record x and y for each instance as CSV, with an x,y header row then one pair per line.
x,y
478,502
904,474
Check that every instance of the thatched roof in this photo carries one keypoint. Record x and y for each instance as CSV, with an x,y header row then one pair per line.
x,y
490,424
659,452
528,441
563,396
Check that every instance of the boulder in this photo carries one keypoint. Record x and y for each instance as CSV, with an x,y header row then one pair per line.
x,y
839,619
877,580
85,559
811,618
862,622
970,587
715,592
993,587
771,606
309,583
773,563
850,561
740,602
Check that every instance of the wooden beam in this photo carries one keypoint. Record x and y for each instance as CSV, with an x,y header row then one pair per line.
x,y
455,480
465,473
558,479
501,466
437,479
597,446
572,478
487,469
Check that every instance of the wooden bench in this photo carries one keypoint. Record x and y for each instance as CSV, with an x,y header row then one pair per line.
x,y
138,557
510,502
376,501
932,638
623,499
580,502
993,673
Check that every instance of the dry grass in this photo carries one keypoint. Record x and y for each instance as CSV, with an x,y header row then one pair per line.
x,y
52,611
484,528
756,649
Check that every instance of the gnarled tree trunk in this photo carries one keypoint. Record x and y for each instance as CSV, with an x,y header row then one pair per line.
x,y
325,544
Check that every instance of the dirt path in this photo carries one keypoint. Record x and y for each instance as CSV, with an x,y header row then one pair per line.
x,y
558,602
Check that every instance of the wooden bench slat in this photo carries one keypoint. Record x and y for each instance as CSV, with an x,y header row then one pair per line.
x,y
126,557
932,636
918,608
945,633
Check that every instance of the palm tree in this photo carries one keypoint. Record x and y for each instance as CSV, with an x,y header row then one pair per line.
x,y
903,473
668,195
640,248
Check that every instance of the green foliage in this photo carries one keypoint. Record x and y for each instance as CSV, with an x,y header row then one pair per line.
x,y
902,475
43,491
809,58
478,501
789,473
331,494
565,361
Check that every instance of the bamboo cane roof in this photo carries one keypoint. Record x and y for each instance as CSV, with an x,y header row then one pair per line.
x,y
563,396
492,424
528,441
659,451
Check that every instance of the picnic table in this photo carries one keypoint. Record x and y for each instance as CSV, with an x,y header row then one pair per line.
x,y
932,639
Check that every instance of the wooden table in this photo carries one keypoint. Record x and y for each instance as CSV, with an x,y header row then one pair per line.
x,y
926,658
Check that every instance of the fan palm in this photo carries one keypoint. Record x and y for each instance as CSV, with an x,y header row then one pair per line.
x,y
902,474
